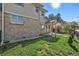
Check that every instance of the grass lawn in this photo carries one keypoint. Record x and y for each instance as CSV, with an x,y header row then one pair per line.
x,y
44,46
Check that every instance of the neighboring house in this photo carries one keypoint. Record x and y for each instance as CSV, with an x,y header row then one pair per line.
x,y
54,26
22,21
58,27
0,21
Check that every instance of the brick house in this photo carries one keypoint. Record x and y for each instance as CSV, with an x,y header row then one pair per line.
x,y
22,21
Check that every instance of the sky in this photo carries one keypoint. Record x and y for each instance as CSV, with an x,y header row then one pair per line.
x,y
69,11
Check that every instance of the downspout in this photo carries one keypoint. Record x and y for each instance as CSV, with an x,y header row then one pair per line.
x,y
2,41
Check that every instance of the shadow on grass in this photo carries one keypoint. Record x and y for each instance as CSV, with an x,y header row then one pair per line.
x,y
26,43
51,39
7,47
47,38
70,41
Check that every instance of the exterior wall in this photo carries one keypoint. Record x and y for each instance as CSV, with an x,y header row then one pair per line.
x,y
28,10
32,26
30,29
42,19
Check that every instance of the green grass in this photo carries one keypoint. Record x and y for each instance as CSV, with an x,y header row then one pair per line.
x,y
44,46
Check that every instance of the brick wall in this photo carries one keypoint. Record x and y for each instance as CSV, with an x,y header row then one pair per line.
x,y
30,28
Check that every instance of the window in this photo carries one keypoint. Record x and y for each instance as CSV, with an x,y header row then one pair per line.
x,y
20,4
37,9
16,19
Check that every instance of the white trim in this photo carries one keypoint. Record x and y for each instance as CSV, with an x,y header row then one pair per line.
x,y
21,15
17,19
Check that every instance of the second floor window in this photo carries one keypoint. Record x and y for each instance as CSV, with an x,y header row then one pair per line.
x,y
16,19
37,9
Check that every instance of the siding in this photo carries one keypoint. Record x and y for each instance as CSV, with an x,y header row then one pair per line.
x,y
31,27
28,10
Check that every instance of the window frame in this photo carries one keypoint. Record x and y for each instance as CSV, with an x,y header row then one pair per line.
x,y
16,20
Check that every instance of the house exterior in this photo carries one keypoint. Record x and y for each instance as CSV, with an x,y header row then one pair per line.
x,y
22,21
54,26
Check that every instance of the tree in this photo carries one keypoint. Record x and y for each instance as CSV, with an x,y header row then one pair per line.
x,y
67,28
74,25
55,19
70,28
51,16
58,18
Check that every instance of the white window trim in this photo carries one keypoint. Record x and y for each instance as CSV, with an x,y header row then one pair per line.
x,y
17,19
